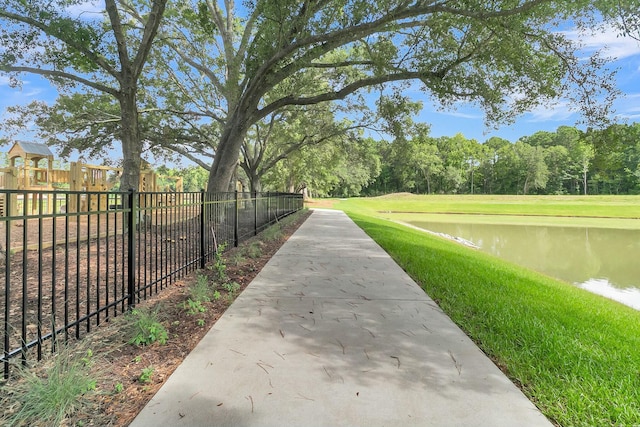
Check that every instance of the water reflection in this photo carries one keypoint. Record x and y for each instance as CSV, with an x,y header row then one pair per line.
x,y
605,261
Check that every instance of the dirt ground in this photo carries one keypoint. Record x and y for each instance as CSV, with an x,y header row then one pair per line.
x,y
120,392
321,203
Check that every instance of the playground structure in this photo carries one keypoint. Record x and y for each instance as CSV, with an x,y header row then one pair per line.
x,y
31,169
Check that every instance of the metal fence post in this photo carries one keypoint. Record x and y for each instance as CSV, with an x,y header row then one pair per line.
x,y
236,222
7,284
268,208
255,213
131,249
202,229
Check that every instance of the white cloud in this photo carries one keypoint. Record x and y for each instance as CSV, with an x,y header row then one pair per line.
x,y
32,93
460,114
628,117
627,107
89,10
606,40
556,112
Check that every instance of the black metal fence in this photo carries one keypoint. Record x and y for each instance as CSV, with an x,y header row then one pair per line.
x,y
71,260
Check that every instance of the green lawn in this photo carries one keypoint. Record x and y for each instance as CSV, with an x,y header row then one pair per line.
x,y
575,354
565,206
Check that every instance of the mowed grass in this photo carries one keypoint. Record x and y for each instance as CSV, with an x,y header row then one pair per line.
x,y
559,206
575,355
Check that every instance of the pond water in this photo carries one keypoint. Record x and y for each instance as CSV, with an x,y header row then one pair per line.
x,y
602,260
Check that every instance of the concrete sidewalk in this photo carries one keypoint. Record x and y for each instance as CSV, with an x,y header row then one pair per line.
x,y
332,332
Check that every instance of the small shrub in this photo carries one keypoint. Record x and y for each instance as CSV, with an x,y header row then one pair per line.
x,y
146,374
118,388
231,287
216,295
219,265
146,327
200,322
194,307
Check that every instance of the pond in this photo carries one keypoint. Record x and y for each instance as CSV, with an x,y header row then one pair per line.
x,y
602,260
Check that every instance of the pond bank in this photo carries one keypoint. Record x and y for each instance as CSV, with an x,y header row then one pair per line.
x,y
602,260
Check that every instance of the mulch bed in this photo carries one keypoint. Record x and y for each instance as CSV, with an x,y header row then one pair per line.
x,y
120,392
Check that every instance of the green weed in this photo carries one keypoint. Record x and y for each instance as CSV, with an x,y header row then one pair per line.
x,y
146,328
219,265
146,375
194,307
199,293
231,287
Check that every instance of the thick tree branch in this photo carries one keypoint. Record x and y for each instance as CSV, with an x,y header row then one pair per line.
x,y
64,75
342,93
150,31
46,29
121,41
201,68
197,159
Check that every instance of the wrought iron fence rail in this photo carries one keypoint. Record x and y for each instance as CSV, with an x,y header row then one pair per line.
x,y
76,259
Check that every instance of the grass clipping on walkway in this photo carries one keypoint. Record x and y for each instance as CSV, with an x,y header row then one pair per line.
x,y
574,354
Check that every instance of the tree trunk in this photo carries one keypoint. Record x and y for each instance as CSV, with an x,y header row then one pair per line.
x,y
130,137
471,180
427,178
233,182
227,154
256,184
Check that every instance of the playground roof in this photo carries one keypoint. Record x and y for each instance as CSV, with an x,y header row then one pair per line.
x,y
33,148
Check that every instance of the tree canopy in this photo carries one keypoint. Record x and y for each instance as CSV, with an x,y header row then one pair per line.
x,y
237,65
263,56
567,161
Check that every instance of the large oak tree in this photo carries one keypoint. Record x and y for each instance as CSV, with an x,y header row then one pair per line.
x,y
503,55
105,54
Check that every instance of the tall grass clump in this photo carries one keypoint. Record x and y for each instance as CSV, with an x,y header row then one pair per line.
x,y
199,293
50,393
574,354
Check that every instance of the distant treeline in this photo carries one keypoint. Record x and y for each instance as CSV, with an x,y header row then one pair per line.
x,y
568,161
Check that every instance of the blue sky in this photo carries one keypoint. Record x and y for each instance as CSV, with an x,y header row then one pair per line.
x,y
465,119
625,51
